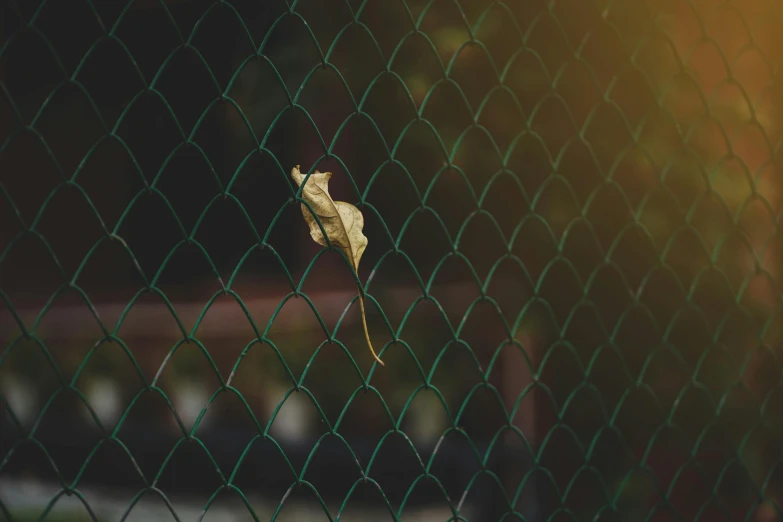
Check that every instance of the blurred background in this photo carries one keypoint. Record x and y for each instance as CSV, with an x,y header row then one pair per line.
x,y
573,274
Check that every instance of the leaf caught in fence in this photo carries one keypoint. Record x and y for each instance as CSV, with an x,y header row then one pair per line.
x,y
341,221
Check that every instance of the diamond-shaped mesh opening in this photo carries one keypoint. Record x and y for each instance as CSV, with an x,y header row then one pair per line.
x,y
574,273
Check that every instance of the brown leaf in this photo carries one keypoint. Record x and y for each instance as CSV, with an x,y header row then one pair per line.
x,y
341,221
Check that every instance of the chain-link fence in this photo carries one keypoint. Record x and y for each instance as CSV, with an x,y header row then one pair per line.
x,y
573,273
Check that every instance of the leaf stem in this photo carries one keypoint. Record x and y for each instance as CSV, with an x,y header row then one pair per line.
x,y
366,333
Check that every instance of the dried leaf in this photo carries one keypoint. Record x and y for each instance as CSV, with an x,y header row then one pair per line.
x,y
341,221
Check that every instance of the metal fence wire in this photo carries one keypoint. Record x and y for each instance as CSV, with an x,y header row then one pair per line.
x,y
573,272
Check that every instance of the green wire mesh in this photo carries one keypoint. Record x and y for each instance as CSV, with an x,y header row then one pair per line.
x,y
573,274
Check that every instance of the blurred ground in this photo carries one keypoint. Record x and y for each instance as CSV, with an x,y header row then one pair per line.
x,y
26,499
